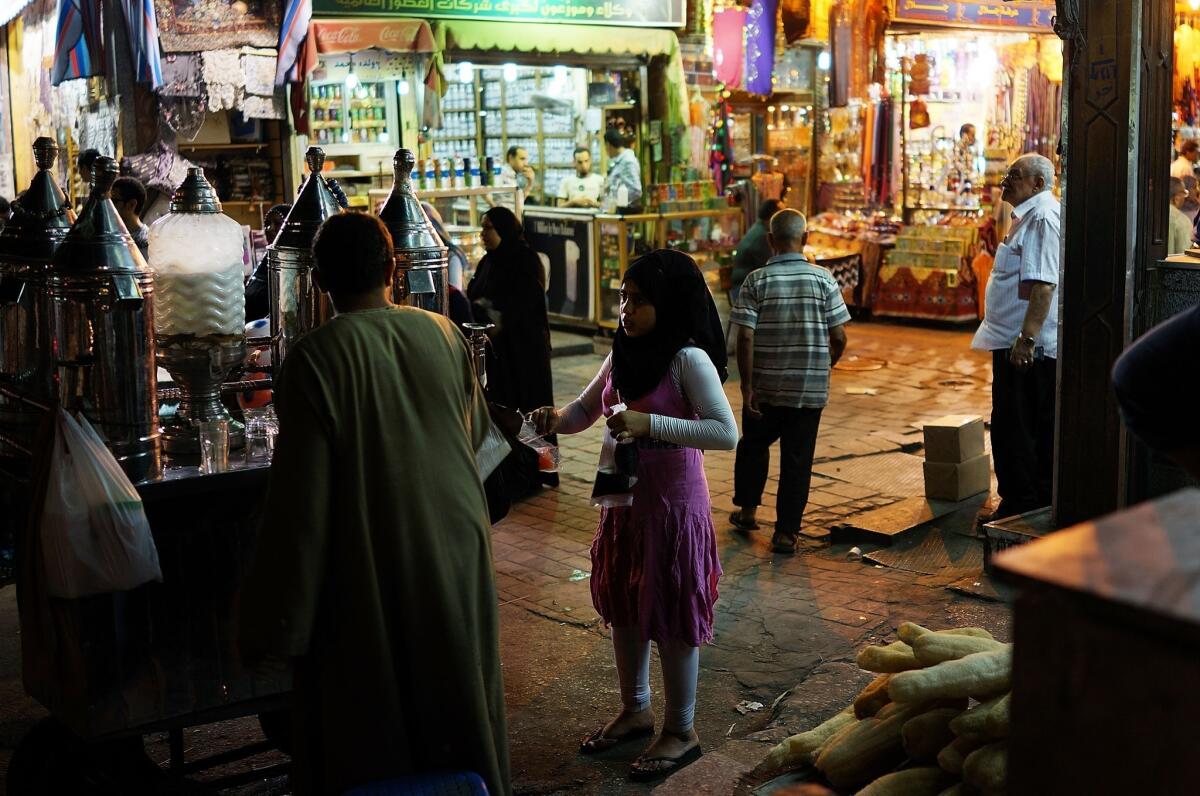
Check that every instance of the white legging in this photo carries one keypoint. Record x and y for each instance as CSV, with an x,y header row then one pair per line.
x,y
680,666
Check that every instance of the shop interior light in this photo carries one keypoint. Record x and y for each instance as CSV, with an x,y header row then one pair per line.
x,y
785,108
1194,5
509,72
770,109
402,88
824,61
466,72
351,78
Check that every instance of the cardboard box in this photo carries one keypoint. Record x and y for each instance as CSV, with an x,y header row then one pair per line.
x,y
954,439
957,481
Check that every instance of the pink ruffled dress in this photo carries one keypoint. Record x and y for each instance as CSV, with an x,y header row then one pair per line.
x,y
655,564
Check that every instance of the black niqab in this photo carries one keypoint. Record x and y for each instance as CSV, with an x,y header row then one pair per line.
x,y
685,315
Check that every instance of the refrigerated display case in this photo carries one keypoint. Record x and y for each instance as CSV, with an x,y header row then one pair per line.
x,y
346,117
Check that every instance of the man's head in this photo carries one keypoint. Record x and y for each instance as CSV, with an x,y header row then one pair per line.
x,y
1028,176
788,230
353,256
517,158
768,209
1190,149
966,134
84,162
614,141
583,161
273,221
129,197
1178,192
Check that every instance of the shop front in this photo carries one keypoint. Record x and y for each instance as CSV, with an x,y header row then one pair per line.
x,y
923,123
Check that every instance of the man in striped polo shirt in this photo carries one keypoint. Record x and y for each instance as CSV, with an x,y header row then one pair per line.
x,y
790,317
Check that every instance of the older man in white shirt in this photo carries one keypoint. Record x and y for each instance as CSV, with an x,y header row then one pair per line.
x,y
1020,328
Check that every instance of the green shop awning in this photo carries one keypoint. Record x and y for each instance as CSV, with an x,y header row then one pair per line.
x,y
551,39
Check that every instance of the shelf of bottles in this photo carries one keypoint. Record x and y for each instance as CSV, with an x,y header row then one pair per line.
x,y
459,134
339,114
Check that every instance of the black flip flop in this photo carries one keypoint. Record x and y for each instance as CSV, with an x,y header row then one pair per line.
x,y
783,544
590,747
639,774
737,522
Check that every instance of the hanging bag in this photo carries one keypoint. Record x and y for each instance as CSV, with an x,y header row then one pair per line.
x,y
94,534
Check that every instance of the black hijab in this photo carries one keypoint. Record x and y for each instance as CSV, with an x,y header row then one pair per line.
x,y
686,315
514,253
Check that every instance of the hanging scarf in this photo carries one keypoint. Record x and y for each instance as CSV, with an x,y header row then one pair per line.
x,y
686,315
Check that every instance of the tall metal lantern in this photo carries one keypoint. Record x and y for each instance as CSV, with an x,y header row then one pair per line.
x,y
200,307
297,306
101,292
40,220
422,264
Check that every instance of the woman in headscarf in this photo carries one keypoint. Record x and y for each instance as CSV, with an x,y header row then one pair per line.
x,y
654,562
507,291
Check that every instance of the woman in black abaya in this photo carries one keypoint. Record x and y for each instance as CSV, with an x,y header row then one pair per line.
x,y
508,291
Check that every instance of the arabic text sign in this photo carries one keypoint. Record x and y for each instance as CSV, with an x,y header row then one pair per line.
x,y
637,13
1016,16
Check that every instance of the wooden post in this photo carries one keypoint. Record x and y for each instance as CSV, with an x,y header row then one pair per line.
x,y
1116,132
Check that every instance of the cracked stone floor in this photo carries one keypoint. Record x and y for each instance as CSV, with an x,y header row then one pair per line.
x,y
783,624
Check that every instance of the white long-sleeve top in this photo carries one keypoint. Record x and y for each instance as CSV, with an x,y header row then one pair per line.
x,y
693,374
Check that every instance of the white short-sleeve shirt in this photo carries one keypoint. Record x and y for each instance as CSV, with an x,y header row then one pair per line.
x,y
575,186
1029,253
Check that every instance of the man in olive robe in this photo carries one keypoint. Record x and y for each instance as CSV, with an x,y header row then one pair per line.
x,y
373,572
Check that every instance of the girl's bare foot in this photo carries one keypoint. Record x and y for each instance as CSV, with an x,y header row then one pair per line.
x,y
670,752
627,726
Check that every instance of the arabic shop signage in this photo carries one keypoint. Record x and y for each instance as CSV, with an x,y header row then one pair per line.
x,y
1010,15
633,13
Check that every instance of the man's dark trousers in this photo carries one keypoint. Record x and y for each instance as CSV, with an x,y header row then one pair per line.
x,y
1023,433
796,431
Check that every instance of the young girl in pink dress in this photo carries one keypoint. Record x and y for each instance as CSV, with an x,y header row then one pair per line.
x,y
654,563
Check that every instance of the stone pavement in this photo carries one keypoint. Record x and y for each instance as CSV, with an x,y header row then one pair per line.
x,y
780,621
787,628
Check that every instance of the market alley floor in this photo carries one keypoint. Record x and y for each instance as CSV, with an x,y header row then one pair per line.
x,y
782,623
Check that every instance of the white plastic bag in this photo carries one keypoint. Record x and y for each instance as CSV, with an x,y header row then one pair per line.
x,y
95,536
616,474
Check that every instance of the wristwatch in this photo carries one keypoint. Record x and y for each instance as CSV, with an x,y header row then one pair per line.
x,y
1029,341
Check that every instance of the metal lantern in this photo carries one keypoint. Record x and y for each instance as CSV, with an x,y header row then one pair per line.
x,y
422,265
297,306
103,329
40,220
199,307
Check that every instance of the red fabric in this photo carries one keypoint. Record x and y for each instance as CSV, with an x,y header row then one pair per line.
x,y
728,46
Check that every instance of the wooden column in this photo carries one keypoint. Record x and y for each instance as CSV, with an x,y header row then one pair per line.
x,y
1116,132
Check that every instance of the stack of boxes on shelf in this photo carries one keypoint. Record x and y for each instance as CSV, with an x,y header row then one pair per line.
x,y
956,466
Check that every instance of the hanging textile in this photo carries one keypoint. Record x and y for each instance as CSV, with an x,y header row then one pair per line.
x,y
760,46
840,42
78,45
296,15
728,53
141,28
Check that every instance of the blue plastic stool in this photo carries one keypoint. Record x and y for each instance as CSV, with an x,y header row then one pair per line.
x,y
452,783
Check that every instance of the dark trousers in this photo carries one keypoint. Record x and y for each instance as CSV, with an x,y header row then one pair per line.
x,y
796,431
1023,433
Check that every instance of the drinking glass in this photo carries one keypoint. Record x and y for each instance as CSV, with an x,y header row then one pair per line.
x,y
214,446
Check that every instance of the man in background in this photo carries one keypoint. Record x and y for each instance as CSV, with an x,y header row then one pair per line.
x,y
790,317
129,197
517,170
1185,164
623,187
753,250
584,189
258,300
1179,231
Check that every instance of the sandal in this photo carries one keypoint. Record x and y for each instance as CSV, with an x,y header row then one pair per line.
x,y
598,742
735,519
784,544
638,772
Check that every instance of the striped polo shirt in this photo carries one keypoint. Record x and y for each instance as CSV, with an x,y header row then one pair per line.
x,y
791,305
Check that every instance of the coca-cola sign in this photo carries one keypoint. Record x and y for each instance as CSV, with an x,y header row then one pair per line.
x,y
343,36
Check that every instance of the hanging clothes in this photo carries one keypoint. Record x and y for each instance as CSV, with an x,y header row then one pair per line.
x,y
840,47
728,51
760,46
